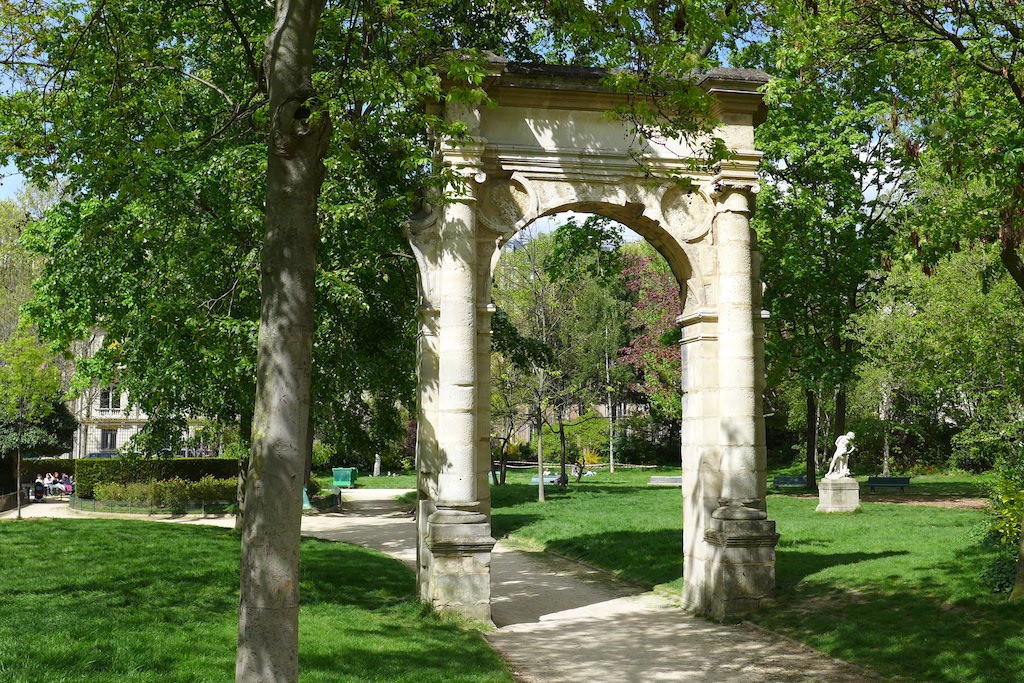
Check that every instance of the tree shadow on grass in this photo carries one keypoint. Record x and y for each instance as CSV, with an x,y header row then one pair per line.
x,y
362,621
345,574
517,493
793,566
645,557
904,634
504,523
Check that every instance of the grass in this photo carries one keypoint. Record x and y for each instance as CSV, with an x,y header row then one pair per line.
x,y
135,601
897,588
406,480
604,519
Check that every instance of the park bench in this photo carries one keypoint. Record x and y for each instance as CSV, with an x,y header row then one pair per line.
x,y
658,480
789,482
888,482
345,477
549,479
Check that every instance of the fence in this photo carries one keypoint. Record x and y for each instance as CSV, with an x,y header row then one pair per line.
x,y
191,507
8,501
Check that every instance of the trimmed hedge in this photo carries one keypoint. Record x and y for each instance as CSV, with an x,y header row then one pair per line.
x,y
30,467
90,472
173,493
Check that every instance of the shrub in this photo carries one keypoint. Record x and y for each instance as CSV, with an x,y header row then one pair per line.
x,y
981,446
642,441
1007,512
174,493
313,487
89,472
322,455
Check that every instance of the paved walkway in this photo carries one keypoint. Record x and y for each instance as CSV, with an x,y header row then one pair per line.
x,y
561,622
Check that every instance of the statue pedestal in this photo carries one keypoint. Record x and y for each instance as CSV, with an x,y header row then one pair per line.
x,y
838,495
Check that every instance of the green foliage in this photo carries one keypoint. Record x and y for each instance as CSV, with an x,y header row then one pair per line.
x,y
946,349
643,441
589,250
51,435
587,431
322,457
90,472
1008,512
173,493
958,102
520,451
17,266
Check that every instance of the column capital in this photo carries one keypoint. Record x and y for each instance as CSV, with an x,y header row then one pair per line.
x,y
735,195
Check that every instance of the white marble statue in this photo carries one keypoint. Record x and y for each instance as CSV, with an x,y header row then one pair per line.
x,y
840,465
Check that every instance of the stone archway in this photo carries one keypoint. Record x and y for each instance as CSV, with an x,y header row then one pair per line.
x,y
548,147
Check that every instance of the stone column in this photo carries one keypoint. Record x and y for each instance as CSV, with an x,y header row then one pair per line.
x,y
458,533
483,409
741,538
702,483
427,461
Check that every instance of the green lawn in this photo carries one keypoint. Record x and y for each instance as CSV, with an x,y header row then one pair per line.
x,y
133,601
893,587
363,481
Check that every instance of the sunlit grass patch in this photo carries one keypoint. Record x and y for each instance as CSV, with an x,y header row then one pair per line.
x,y
105,600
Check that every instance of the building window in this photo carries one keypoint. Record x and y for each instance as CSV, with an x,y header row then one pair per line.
x,y
108,439
110,398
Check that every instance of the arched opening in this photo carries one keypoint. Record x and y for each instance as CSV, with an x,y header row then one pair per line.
x,y
545,148
591,299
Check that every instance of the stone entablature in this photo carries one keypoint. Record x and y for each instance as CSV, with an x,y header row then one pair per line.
x,y
548,146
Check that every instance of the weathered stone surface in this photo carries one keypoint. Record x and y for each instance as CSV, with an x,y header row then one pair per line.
x,y
549,146
838,495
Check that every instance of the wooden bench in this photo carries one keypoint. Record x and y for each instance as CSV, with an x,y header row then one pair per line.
x,y
789,482
665,481
888,482
549,479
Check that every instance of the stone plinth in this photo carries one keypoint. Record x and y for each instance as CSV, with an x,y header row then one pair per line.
x,y
838,495
741,571
459,567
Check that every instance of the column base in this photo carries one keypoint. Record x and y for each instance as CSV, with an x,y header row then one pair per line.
x,y
740,569
838,495
456,574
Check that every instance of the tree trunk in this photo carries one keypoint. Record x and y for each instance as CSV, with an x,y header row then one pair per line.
x,y
1018,583
268,613
1012,261
840,422
540,456
245,434
563,477
503,465
17,478
307,467
611,434
811,434
884,411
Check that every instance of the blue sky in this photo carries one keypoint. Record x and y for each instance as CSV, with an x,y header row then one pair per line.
x,y
10,182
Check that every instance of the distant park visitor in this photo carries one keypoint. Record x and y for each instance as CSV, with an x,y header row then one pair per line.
x,y
840,465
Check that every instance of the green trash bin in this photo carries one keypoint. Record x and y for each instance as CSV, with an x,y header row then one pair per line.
x,y
345,477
